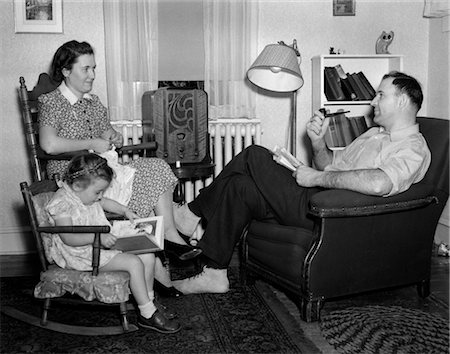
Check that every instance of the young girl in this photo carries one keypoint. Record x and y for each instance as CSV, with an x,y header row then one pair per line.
x,y
79,201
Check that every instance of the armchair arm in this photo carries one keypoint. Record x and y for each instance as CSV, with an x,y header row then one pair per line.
x,y
97,230
341,203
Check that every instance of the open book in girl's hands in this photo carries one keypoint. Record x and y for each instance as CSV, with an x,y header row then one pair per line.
x,y
285,158
142,236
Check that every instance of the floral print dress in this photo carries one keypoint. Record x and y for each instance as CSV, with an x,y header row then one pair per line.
x,y
65,203
87,118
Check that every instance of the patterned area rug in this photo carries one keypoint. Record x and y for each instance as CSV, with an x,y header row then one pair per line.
x,y
385,329
237,322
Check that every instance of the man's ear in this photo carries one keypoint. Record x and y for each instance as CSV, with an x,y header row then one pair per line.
x,y
403,100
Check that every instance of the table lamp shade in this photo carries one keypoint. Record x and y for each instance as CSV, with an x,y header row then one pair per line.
x,y
276,69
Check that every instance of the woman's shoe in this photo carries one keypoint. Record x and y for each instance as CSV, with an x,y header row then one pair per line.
x,y
183,252
165,291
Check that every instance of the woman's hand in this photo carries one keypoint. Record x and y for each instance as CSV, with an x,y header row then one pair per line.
x,y
100,145
116,139
108,240
130,215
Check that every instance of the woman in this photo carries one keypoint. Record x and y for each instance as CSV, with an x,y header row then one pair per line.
x,y
71,118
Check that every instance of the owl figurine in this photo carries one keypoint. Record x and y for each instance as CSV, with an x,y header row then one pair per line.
x,y
383,42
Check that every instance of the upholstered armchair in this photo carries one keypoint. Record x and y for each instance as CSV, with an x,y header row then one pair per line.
x,y
359,243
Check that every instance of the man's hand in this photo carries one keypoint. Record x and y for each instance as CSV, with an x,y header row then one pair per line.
x,y
316,129
306,176
317,126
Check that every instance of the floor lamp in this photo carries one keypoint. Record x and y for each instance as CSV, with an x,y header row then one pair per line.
x,y
277,69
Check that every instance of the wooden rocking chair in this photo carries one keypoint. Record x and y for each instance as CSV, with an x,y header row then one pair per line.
x,y
38,158
88,287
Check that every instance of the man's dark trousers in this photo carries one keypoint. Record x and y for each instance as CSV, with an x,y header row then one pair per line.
x,y
251,186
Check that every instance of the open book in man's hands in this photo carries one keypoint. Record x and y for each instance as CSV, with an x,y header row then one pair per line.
x,y
142,236
285,158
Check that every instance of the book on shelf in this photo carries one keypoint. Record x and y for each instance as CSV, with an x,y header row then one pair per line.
x,y
342,130
367,85
361,123
342,86
365,95
140,236
350,94
285,158
334,136
333,90
355,87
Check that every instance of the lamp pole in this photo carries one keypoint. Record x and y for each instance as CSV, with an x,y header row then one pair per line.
x,y
294,124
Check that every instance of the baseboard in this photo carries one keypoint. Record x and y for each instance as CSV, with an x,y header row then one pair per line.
x,y
19,265
16,240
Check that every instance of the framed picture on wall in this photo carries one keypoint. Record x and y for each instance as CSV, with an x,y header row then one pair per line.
x,y
38,16
343,7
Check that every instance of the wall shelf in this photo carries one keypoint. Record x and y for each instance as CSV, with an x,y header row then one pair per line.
x,y
373,66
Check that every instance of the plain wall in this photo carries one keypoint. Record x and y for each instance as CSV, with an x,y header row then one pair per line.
x,y
439,94
309,21
27,55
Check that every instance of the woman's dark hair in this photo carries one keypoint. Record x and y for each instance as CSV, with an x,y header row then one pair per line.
x,y
66,56
408,85
84,168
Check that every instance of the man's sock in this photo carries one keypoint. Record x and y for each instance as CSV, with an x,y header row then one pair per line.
x,y
211,264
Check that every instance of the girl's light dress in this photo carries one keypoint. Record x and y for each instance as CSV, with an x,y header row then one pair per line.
x,y
65,203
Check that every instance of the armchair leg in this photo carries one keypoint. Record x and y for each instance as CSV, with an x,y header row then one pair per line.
x,y
246,278
423,288
310,309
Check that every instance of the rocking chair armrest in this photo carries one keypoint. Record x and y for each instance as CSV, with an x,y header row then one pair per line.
x,y
342,203
63,156
96,245
151,145
75,229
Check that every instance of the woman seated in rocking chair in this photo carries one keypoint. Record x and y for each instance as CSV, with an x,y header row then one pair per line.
x,y
71,119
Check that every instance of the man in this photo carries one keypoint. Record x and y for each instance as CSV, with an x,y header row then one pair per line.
x,y
383,161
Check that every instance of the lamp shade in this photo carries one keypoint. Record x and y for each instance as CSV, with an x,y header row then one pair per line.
x,y
276,69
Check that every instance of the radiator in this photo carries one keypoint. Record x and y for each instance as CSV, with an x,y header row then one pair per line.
x,y
228,137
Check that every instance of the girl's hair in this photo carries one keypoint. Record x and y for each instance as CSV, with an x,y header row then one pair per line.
x,y
66,56
84,168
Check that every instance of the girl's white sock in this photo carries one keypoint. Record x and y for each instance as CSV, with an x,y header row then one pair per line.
x,y
147,310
